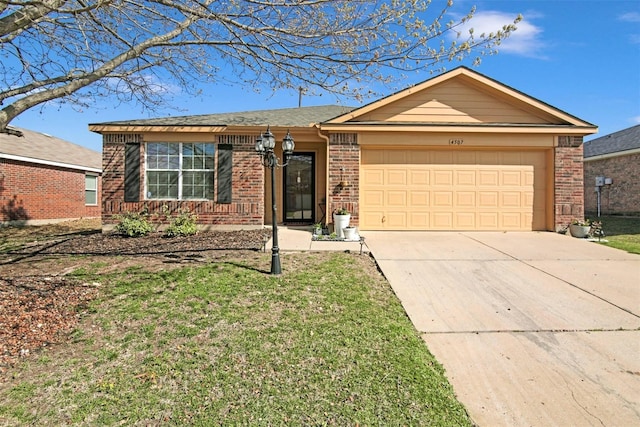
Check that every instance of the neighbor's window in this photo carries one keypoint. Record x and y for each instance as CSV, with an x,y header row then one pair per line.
x,y
90,189
180,170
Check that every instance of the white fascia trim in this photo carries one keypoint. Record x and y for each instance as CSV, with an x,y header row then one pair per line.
x,y
611,155
49,163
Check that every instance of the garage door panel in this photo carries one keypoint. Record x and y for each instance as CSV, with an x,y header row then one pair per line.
x,y
373,176
465,220
528,178
511,220
488,199
418,177
396,220
396,177
510,199
442,199
442,220
453,190
488,221
465,199
442,178
372,219
489,178
419,220
465,177
396,198
528,199
510,178
419,199
373,198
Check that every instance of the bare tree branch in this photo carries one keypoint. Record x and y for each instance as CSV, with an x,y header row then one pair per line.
x,y
77,50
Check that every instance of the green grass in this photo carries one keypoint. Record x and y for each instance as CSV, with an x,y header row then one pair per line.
x,y
622,232
326,343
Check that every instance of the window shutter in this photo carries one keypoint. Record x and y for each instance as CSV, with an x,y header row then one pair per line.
x,y
132,172
225,165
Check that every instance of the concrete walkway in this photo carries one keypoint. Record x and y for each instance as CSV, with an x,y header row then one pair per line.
x,y
533,329
299,239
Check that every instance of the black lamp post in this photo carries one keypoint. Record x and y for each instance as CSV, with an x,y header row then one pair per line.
x,y
265,144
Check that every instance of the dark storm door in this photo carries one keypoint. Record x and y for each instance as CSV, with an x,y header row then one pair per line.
x,y
299,188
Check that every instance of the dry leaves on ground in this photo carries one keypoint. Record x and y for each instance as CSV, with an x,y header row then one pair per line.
x,y
38,310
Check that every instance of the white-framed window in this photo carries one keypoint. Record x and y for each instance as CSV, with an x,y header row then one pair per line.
x,y
91,190
180,171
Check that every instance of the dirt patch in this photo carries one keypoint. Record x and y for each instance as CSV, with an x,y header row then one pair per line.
x,y
40,304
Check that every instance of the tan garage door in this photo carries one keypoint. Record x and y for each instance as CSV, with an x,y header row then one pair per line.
x,y
452,190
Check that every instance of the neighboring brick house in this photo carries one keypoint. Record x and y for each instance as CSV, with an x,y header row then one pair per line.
x,y
460,151
614,160
44,179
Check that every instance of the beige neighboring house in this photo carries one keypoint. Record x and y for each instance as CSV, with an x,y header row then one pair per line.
x,y
44,179
612,173
460,151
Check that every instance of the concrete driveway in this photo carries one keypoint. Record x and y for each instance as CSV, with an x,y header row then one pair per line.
x,y
533,329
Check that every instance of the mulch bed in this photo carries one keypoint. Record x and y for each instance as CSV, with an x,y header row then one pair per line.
x,y
37,310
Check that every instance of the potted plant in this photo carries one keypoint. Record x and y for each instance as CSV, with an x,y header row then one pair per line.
x,y
580,228
317,228
349,232
341,218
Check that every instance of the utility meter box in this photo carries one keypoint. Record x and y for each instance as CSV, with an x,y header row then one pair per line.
x,y
599,181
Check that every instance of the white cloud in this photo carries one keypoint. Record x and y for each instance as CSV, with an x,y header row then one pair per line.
x,y
635,119
525,41
630,17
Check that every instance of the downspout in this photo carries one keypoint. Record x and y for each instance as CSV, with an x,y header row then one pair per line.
x,y
326,185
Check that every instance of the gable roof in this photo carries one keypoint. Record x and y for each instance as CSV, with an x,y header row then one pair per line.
x,y
283,117
36,147
617,142
462,98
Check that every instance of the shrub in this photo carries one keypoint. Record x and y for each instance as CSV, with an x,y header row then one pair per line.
x,y
183,225
133,224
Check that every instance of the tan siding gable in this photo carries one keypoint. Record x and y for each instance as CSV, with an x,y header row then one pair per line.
x,y
455,101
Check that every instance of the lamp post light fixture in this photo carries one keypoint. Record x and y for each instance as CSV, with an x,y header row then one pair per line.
x,y
265,145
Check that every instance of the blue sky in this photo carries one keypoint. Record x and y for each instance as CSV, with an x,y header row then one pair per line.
x,y
581,56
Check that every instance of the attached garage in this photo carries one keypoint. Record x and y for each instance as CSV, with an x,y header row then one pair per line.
x,y
458,152
422,189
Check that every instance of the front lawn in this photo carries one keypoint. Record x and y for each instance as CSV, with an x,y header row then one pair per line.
x,y
622,232
222,343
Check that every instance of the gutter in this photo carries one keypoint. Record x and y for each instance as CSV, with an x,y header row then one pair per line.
x,y
50,163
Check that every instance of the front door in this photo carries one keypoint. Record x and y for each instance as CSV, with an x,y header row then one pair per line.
x,y
299,188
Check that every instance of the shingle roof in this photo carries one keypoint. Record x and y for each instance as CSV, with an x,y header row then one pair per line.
x,y
626,139
294,117
41,147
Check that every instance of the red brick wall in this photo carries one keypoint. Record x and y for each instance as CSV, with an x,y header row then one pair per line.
x,y
623,195
246,208
40,193
344,166
569,188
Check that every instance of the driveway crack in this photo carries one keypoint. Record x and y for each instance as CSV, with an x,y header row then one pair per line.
x,y
573,285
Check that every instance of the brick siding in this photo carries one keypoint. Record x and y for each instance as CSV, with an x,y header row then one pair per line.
x,y
623,195
37,193
569,192
344,166
247,205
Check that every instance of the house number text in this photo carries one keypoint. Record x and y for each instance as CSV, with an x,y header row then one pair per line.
x,y
456,141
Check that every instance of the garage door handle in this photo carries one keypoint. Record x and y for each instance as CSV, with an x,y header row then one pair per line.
x,y
384,218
